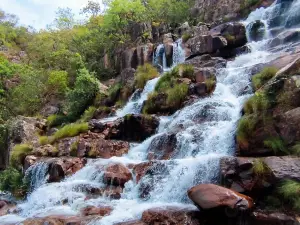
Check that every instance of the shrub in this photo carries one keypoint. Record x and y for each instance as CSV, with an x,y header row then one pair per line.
x,y
290,190
245,129
150,103
114,92
260,168
83,94
263,77
177,95
145,73
185,37
295,150
58,82
88,114
74,148
18,154
70,130
257,103
12,180
167,80
187,71
276,144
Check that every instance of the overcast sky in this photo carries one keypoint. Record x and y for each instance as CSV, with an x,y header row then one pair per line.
x,y
39,13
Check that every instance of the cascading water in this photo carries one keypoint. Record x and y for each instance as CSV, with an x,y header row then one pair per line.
x,y
204,133
37,175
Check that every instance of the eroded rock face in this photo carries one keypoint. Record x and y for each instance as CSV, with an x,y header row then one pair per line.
x,y
206,61
209,196
117,175
171,215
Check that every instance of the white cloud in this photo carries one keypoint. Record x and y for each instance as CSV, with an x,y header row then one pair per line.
x,y
39,13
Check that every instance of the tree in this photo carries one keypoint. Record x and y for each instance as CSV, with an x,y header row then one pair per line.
x,y
93,8
64,19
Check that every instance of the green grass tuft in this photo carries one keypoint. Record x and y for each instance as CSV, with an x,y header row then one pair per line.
x,y
145,73
263,77
167,80
295,150
290,190
245,129
44,140
18,154
276,144
257,103
260,168
177,95
185,37
187,71
88,114
71,130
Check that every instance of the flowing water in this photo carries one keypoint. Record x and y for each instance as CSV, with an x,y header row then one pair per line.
x,y
204,132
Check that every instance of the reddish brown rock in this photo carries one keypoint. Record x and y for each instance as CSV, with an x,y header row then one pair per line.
x,y
209,196
59,220
171,215
93,145
6,207
96,211
117,174
141,169
109,192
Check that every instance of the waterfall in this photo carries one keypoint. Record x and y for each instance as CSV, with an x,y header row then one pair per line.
x,y
199,146
178,52
37,175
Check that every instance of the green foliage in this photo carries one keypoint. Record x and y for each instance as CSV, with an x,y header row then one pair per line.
x,y
263,77
187,71
18,154
257,104
167,80
290,190
149,104
56,120
177,95
88,114
210,84
276,144
114,91
12,180
295,150
82,95
245,129
43,140
74,148
260,168
58,82
185,37
70,130
145,73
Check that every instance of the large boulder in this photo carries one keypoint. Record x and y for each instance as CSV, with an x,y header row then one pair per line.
x,y
289,126
206,61
257,30
171,215
96,211
205,44
209,196
117,175
162,147
234,33
273,218
133,127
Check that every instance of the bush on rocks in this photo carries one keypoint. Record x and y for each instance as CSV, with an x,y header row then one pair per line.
x,y
290,190
18,154
263,77
145,73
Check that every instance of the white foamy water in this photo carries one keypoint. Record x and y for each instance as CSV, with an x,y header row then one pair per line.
x,y
204,133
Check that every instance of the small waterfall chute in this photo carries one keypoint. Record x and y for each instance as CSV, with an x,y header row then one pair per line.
x,y
37,174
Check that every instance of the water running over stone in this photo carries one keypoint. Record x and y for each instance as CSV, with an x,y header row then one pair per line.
x,y
203,132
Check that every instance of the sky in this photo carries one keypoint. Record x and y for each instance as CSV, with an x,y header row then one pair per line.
x,y
39,13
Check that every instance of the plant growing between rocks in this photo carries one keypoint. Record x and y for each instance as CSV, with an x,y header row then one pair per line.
x,y
260,79
145,73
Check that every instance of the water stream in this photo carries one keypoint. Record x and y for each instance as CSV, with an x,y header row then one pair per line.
x,y
204,133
